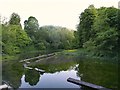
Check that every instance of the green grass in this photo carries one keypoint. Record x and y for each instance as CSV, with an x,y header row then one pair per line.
x,y
75,52
9,57
86,54
27,54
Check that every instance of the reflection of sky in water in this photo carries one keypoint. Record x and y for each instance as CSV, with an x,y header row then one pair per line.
x,y
99,72
54,80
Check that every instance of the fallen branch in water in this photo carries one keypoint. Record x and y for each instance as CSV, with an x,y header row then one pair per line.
x,y
30,68
38,57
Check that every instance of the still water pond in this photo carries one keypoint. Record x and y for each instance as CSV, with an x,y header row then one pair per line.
x,y
58,69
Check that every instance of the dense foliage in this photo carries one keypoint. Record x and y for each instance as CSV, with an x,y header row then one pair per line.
x,y
55,37
98,30
48,37
16,40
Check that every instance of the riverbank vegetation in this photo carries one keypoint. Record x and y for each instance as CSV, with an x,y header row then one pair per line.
x,y
99,31
89,53
98,34
16,40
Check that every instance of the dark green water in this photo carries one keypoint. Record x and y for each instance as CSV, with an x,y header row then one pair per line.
x,y
57,69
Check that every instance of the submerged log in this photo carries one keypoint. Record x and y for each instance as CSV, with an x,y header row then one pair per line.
x,y
40,70
30,68
42,56
86,84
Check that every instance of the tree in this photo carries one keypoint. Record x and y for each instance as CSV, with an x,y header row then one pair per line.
x,y
14,39
53,37
76,40
118,30
14,19
31,26
86,21
98,30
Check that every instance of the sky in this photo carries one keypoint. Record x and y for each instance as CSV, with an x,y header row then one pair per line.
x,y
63,13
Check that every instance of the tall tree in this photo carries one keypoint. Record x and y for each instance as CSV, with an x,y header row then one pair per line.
x,y
98,30
105,27
14,39
14,19
31,25
86,21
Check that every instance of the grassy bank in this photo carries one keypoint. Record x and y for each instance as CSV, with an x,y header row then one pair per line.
x,y
87,54
74,52
24,55
9,57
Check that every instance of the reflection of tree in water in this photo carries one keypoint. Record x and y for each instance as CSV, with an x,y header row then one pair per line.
x,y
99,72
32,77
55,64
12,72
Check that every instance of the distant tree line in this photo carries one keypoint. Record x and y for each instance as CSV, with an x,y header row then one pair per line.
x,y
48,37
33,37
98,31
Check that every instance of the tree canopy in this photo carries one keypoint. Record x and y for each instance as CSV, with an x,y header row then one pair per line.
x,y
15,39
98,30
14,19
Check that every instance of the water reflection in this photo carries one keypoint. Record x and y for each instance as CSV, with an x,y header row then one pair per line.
x,y
32,77
11,73
58,69
99,72
55,64
53,80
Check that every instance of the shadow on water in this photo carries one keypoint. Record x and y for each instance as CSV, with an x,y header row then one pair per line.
x,y
58,69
